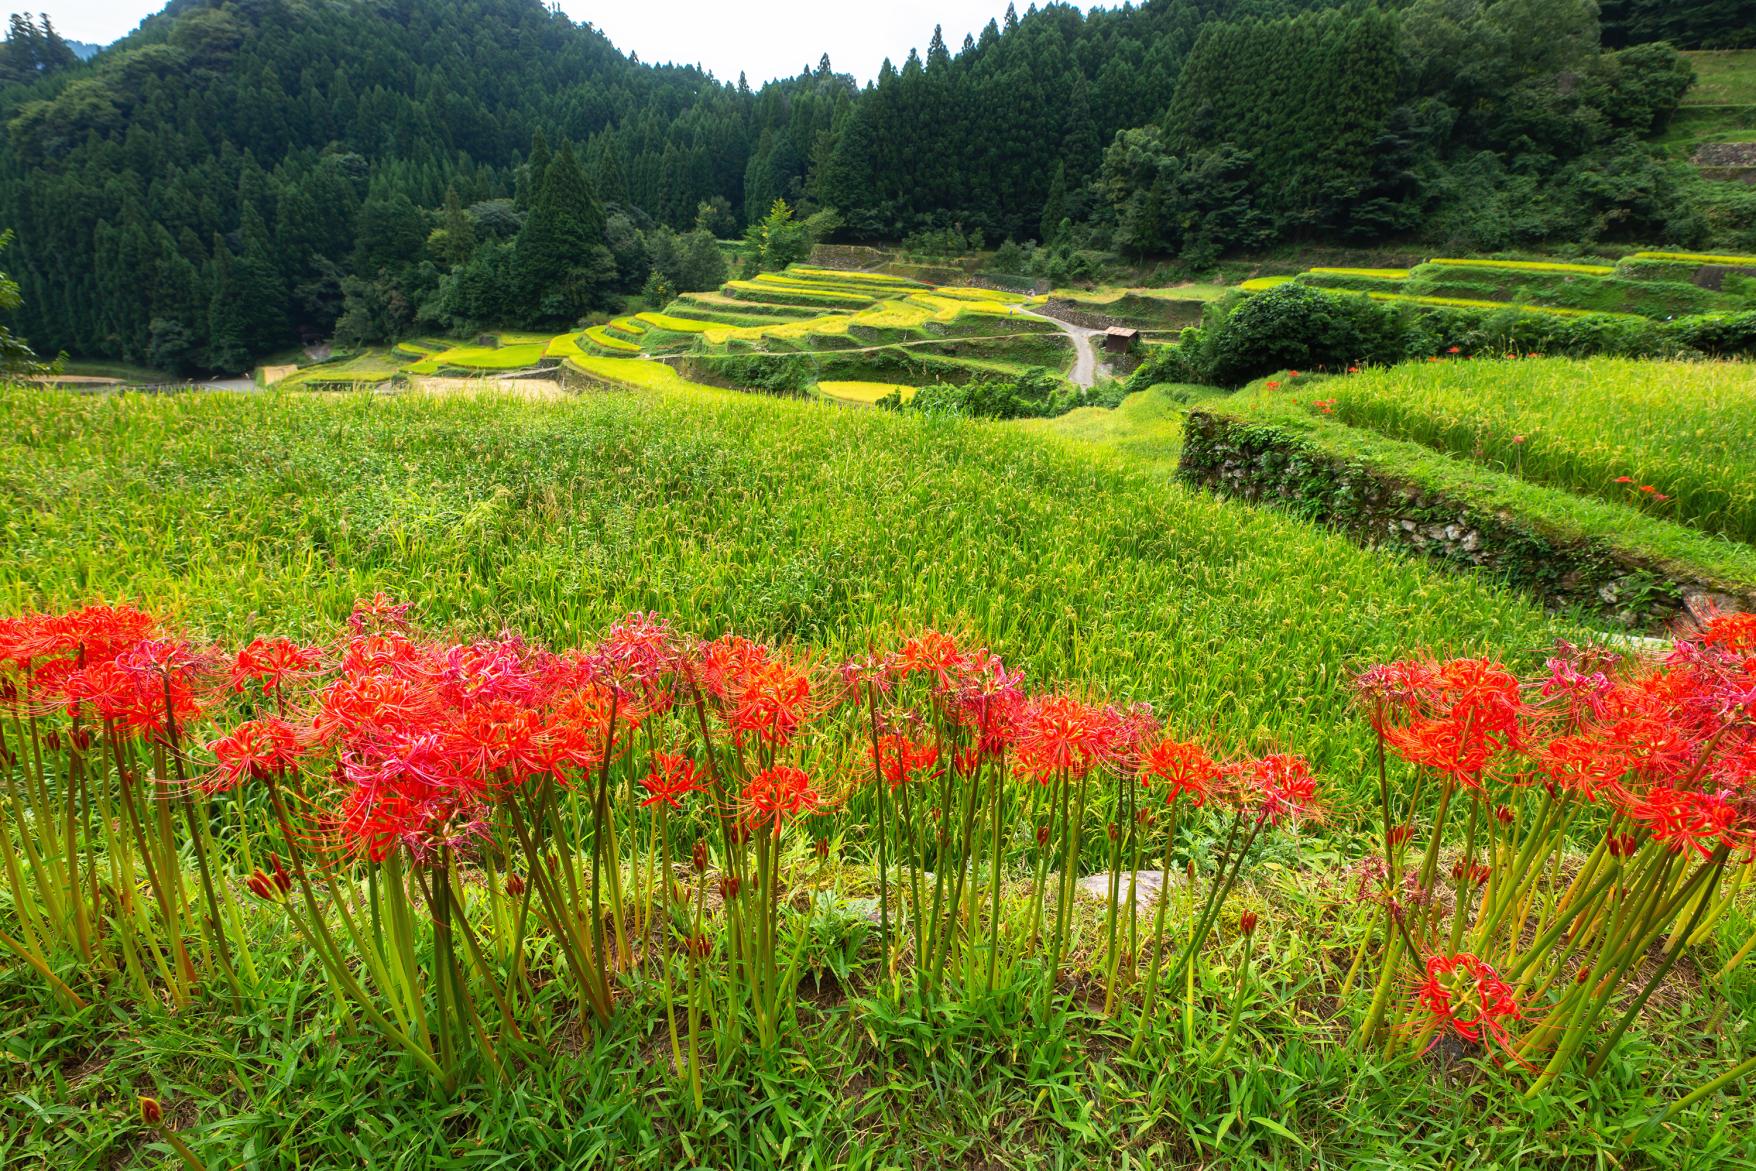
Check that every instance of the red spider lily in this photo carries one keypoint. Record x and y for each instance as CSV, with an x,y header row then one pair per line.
x,y
1581,676
1446,747
1684,820
989,700
766,696
777,794
1459,714
1398,685
91,633
352,708
1137,728
1518,440
772,703
1273,384
577,732
900,759
389,652
931,653
414,789
1735,633
636,653
501,738
377,612
504,670
870,669
1183,766
1276,788
1466,997
1058,733
672,778
1587,766
272,662
253,751
1624,479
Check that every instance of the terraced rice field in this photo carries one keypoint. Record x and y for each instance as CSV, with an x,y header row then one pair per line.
x,y
850,320
1644,284
1606,427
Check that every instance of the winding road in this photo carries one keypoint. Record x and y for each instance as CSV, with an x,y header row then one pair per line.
x,y
1085,359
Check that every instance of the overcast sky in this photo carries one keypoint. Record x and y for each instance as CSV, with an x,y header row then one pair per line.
x,y
765,38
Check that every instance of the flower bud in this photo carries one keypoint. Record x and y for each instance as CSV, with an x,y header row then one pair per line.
x,y
1503,815
1042,836
151,1113
514,886
1247,923
1110,831
1400,834
80,738
698,857
823,847
729,887
281,878
52,740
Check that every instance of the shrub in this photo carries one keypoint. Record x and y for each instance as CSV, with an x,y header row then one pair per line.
x,y
1036,394
1297,327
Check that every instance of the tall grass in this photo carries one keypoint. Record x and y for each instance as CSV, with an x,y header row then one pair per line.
x,y
1601,427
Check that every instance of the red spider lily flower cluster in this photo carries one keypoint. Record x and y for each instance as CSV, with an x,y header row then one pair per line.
x,y
1669,745
1465,997
108,664
1274,789
761,694
1455,717
899,759
777,795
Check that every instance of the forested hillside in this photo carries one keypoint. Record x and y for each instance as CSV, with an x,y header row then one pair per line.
x,y
242,175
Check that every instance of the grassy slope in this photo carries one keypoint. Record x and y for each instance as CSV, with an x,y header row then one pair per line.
x,y
789,519
1724,77
1687,428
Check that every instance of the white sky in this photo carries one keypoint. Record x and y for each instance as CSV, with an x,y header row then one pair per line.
x,y
765,38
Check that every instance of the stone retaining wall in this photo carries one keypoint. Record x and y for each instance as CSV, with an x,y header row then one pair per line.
x,y
1259,462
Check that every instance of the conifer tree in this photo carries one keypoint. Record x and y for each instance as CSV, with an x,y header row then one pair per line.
x,y
560,265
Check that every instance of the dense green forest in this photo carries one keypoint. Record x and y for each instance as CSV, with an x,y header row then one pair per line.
x,y
240,176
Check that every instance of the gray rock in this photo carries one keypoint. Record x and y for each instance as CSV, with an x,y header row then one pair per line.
x,y
1146,887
